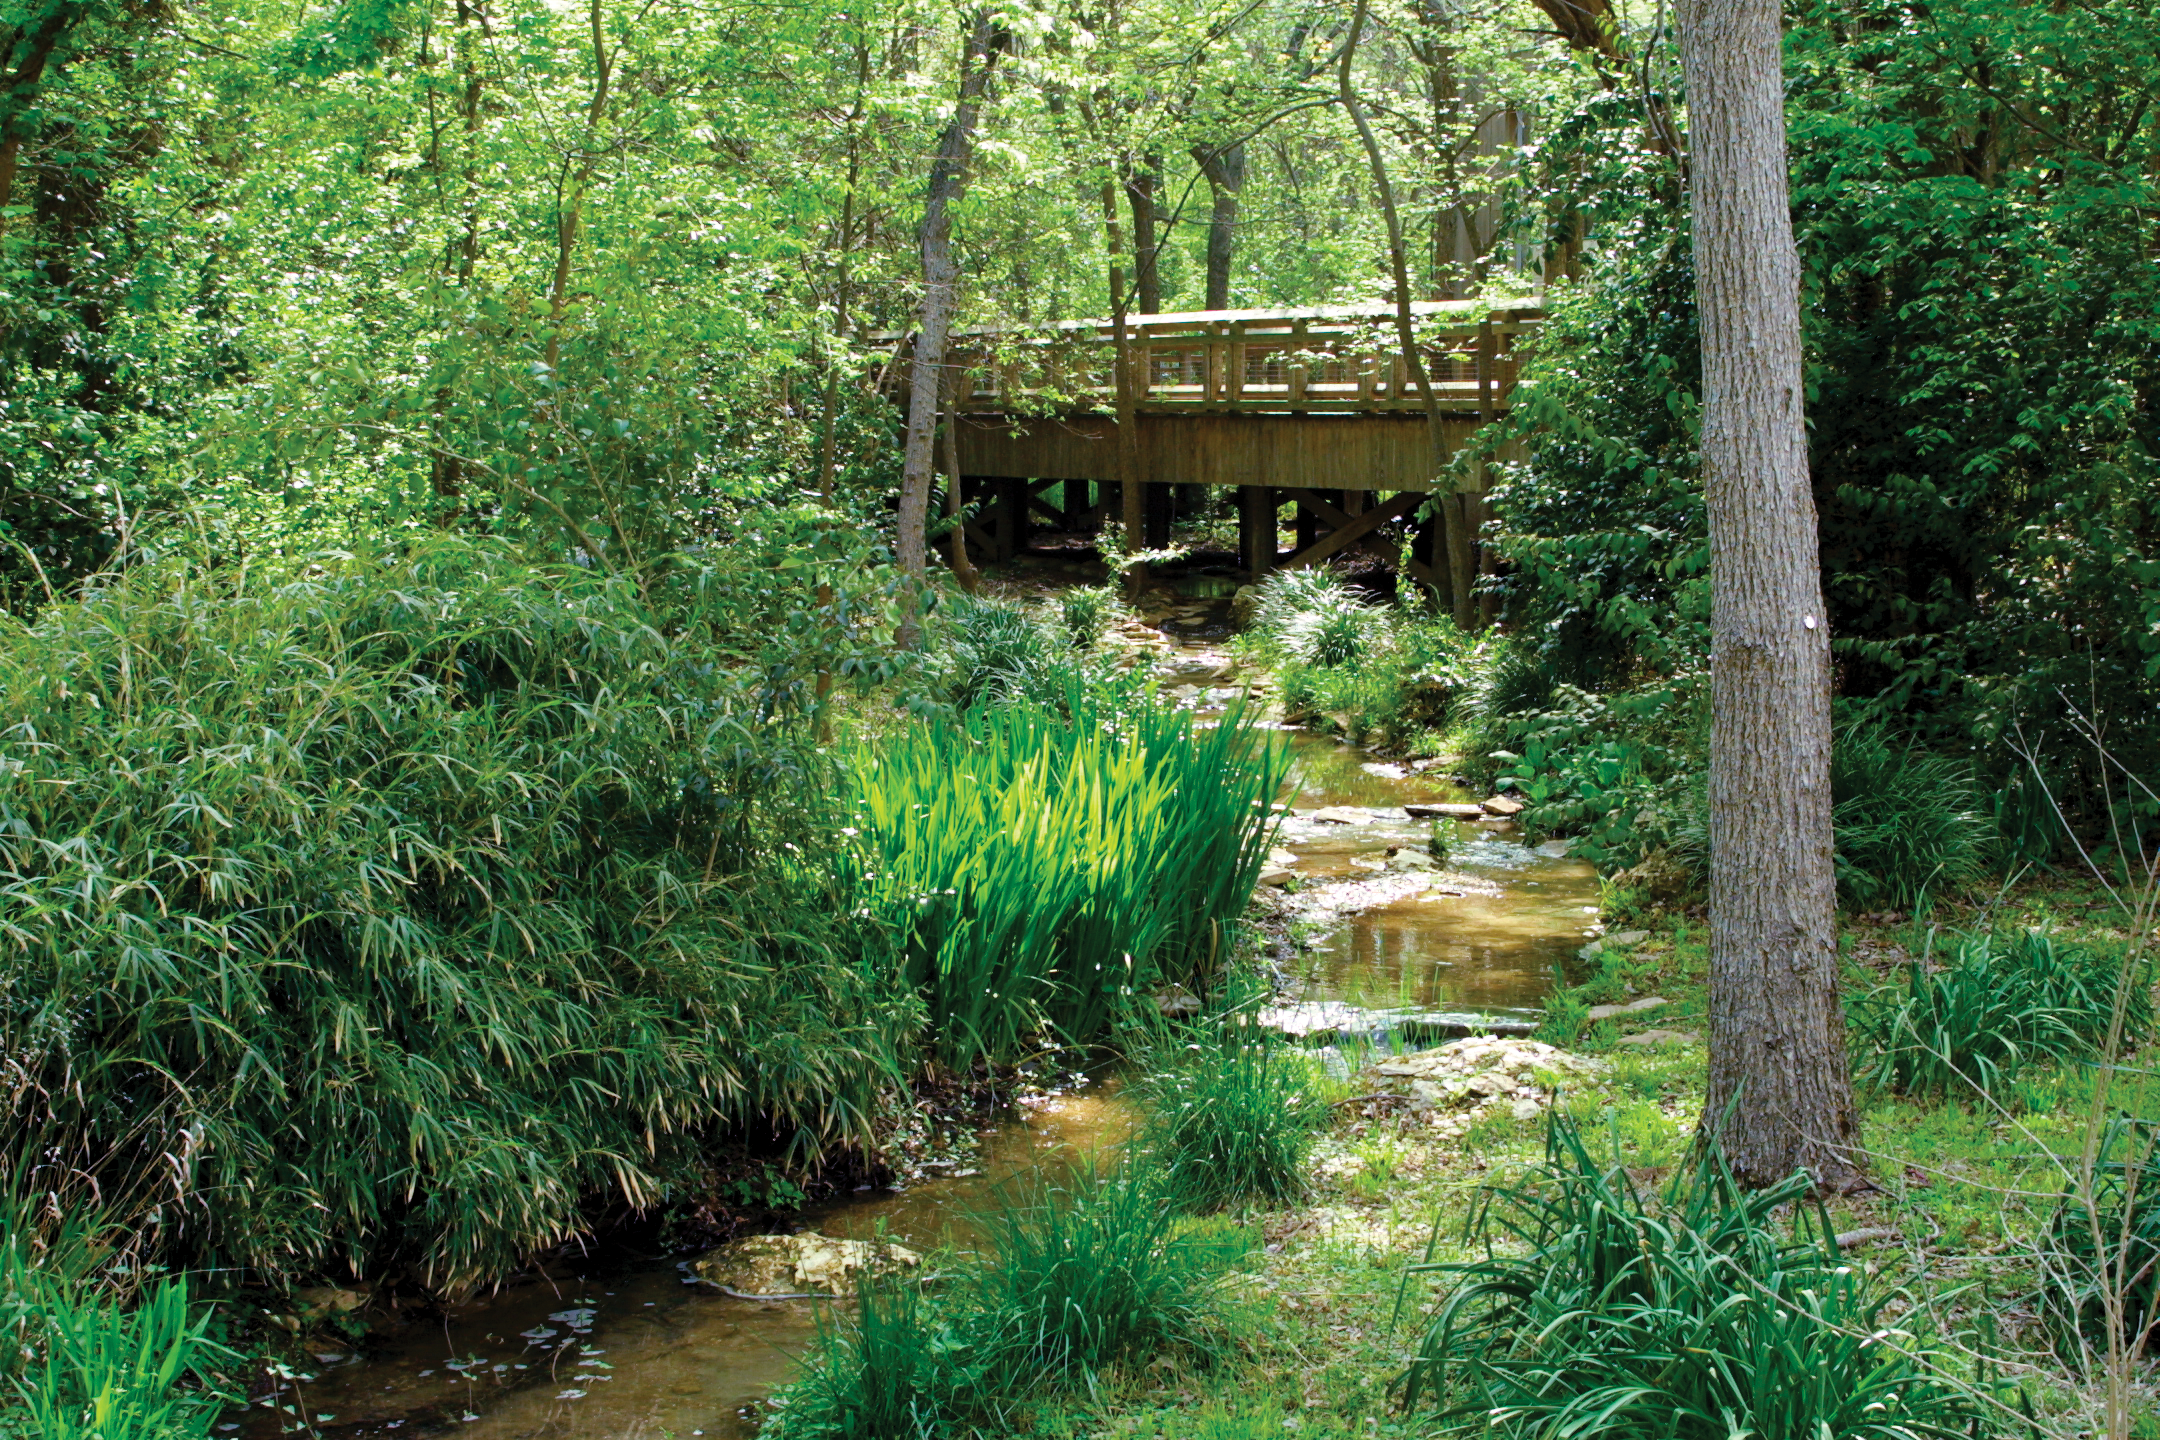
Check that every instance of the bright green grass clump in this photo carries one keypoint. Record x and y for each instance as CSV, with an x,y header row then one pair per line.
x,y
2003,1001
1047,868
1597,1312
1072,1277
86,1357
1232,1120
405,905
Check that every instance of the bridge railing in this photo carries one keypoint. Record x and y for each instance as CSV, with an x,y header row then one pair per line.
x,y
1342,359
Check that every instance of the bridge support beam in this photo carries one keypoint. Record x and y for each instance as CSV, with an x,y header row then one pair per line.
x,y
1256,529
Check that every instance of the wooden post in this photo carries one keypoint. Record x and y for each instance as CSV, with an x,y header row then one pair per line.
x,y
1256,529
1156,498
1012,516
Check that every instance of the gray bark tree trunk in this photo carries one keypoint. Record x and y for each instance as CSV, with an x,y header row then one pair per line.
x,y
1225,171
941,280
1140,189
1780,1095
1448,501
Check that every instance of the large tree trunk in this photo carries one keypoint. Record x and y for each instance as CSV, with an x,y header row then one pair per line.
x,y
1454,518
941,278
1780,1097
1225,171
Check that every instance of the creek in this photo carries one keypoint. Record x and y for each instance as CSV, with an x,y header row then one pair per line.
x,y
639,1350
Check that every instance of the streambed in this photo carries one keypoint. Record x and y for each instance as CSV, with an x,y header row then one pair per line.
x,y
636,1350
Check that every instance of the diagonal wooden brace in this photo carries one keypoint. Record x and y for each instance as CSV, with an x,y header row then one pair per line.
x,y
1356,529
1334,519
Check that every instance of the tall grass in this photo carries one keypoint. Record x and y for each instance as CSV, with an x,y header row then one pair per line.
x,y
84,1355
1047,867
1072,1275
1909,824
1231,1119
405,904
2000,1002
1597,1312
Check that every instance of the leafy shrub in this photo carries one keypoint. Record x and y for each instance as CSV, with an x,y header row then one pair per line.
x,y
1041,867
1909,824
991,651
408,904
1598,1312
1231,1120
2003,1001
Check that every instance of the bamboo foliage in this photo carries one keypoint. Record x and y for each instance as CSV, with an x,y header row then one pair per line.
x,y
403,908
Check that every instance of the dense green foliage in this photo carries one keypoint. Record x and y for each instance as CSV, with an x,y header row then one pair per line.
x,y
1072,1276
1597,1311
1965,1028
1049,868
408,905
1973,186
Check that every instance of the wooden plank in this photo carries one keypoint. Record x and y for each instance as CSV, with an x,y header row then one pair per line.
x,y
1256,529
1296,366
1364,525
1320,508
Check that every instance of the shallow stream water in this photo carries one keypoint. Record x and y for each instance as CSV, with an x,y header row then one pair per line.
x,y
636,1350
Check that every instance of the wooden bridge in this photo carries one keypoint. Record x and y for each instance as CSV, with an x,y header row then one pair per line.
x,y
1307,407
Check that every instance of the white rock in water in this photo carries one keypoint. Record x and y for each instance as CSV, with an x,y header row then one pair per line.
x,y
1342,815
795,1264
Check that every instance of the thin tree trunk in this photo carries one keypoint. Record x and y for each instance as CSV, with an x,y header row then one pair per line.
x,y
570,198
941,278
955,508
1454,518
1780,1096
1140,187
1132,504
1225,172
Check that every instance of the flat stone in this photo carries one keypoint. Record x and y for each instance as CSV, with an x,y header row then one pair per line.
x,y
1633,1007
1277,876
1443,810
1341,815
1662,1037
1556,849
797,1264
1503,807
1315,1018
1412,860
1626,939
1279,857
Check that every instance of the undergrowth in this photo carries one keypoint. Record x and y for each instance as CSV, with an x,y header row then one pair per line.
x,y
1598,1311
1999,1002
1046,868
